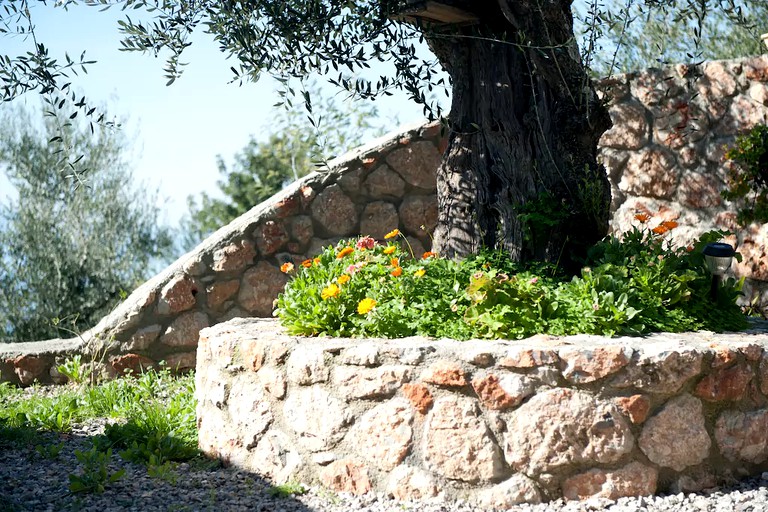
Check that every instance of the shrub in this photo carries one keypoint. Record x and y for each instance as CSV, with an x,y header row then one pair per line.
x,y
633,285
748,179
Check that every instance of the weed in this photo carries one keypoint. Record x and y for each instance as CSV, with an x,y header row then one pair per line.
x,y
95,475
287,490
74,370
49,450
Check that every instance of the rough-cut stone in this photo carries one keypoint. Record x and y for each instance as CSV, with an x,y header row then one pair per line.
x,y
133,363
273,381
276,457
178,295
411,483
630,127
699,190
306,367
725,383
659,369
143,338
302,230
361,355
743,436
382,436
355,382
445,373
650,172
676,437
28,368
635,407
219,292
185,330
259,288
419,396
346,476
582,365
233,257
417,163
335,211
318,418
520,357
418,211
563,426
250,411
501,393
182,362
457,442
270,237
634,479
383,183
378,219
252,352
514,491
763,370
717,81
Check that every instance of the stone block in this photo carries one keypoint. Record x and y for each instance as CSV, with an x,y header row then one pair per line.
x,y
233,257
179,294
356,382
634,479
583,365
383,435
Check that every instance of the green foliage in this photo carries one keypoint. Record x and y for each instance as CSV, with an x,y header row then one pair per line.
x,y
67,255
635,285
287,490
623,36
95,475
748,178
49,450
74,370
297,145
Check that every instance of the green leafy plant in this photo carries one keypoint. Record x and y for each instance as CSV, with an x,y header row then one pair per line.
x,y
74,370
748,178
287,490
49,450
635,284
95,475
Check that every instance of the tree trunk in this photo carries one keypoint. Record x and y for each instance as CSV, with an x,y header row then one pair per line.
x,y
520,170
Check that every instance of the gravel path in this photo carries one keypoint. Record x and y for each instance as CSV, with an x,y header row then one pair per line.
x,y
31,482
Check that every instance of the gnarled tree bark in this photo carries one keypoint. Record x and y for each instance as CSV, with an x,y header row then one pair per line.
x,y
520,170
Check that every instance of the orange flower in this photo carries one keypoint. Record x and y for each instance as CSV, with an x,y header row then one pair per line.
x,y
642,217
660,229
343,279
689,248
366,305
392,234
428,254
330,291
420,272
397,272
344,252
286,267
306,263
395,262
670,224
390,249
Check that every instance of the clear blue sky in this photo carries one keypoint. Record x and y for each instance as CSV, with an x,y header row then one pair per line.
x,y
180,129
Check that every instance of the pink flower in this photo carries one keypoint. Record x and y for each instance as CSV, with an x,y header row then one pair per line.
x,y
534,280
365,243
355,267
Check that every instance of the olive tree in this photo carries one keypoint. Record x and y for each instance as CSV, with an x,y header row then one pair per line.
x,y
520,170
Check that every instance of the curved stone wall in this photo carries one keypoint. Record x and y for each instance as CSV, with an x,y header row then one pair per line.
x,y
664,157
492,423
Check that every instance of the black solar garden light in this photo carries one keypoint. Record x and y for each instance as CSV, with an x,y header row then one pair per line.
x,y
718,257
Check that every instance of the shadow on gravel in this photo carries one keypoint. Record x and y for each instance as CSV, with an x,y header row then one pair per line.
x,y
37,468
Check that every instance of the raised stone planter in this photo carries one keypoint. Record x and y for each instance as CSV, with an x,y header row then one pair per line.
x,y
494,423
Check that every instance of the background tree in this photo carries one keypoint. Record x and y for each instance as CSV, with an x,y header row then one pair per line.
x,y
631,35
68,255
520,171
297,145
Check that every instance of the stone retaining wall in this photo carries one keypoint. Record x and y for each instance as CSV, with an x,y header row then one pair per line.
x,y
492,423
664,157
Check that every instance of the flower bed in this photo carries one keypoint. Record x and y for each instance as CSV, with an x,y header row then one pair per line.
x,y
491,422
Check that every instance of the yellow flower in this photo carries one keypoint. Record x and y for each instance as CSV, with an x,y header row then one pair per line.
x,y
390,249
343,279
397,272
420,272
286,267
306,263
330,291
365,306
345,251
392,234
316,261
